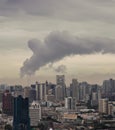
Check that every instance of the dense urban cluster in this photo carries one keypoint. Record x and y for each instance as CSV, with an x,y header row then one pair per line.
x,y
49,106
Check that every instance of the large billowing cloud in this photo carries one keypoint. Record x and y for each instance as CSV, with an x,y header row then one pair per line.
x,y
58,45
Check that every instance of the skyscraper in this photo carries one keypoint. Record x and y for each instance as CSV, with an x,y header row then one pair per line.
x,y
40,91
59,93
32,94
21,120
108,90
75,89
60,81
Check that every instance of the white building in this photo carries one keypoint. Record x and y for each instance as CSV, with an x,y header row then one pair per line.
x,y
70,103
103,105
35,113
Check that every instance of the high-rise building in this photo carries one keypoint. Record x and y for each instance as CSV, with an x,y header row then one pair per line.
x,y
59,93
32,95
70,103
103,105
60,81
21,120
35,113
7,103
94,95
84,91
40,91
37,91
75,89
108,90
94,99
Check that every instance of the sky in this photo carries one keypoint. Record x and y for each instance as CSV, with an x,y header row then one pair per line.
x,y
42,38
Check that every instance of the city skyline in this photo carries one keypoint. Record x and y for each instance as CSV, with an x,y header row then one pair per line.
x,y
54,26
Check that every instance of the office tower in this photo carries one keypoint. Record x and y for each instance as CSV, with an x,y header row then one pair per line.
x,y
94,99
47,86
37,91
75,89
94,95
103,105
32,94
7,103
60,81
68,92
42,91
99,93
108,88
21,120
35,113
70,103
84,91
59,93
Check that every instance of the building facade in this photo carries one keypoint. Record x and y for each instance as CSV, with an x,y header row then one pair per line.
x,y
21,120
7,103
35,113
70,103
103,105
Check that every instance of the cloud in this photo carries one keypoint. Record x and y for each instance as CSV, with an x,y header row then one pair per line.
x,y
58,45
85,10
58,69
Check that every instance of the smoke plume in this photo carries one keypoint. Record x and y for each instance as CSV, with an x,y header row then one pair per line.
x,y
58,45
61,69
58,69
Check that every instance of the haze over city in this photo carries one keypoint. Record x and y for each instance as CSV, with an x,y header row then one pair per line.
x,y
42,38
